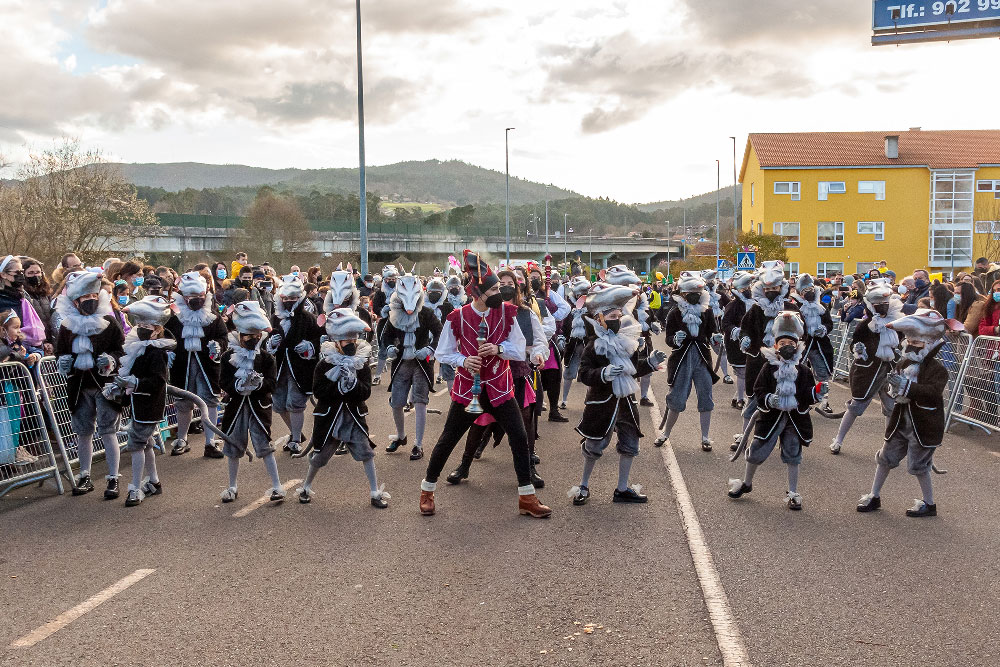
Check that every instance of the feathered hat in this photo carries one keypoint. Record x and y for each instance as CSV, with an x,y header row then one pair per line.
x,y
82,282
925,325
343,324
192,283
291,287
481,277
743,279
787,324
772,273
149,310
249,318
690,281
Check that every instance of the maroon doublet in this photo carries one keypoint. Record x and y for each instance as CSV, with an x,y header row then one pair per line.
x,y
494,376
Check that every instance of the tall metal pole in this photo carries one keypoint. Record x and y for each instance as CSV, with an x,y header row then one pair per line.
x,y
718,186
591,251
546,220
736,225
506,151
684,240
565,240
668,247
361,151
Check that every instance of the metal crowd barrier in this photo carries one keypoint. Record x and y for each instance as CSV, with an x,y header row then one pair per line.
x,y
977,402
26,454
842,362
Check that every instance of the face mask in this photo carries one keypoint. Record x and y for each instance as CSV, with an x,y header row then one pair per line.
x,y
88,307
123,300
825,299
348,349
221,273
809,295
786,352
494,301
248,343
288,304
882,309
746,292
901,289
920,283
693,298
18,279
138,281
369,285
507,292
996,296
196,303
613,325
455,291
33,281
434,295
144,333
390,283
295,273
771,295
536,284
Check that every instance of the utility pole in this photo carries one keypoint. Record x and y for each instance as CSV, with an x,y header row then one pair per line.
x,y
506,152
736,225
718,186
591,253
668,247
361,150
684,240
546,220
565,240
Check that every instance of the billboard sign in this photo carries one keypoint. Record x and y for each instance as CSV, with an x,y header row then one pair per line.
x,y
892,15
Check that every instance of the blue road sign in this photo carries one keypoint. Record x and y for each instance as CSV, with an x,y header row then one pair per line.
x,y
894,15
721,264
746,261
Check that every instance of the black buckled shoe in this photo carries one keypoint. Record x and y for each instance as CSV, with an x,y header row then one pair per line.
x,y
83,485
134,498
869,503
416,453
629,495
152,488
645,402
554,416
213,451
536,480
921,509
112,491
341,449
737,491
728,379
396,444
535,460
458,474
294,446
582,495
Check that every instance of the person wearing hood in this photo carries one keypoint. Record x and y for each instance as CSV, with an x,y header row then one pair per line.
x,y
718,302
294,341
410,333
785,390
622,275
142,384
553,309
493,386
873,345
819,354
380,307
691,333
342,384
436,298
732,316
915,428
87,349
575,333
201,336
609,368
248,378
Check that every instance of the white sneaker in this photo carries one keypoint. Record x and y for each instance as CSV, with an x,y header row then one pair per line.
x,y
835,447
230,494
277,493
706,444
793,500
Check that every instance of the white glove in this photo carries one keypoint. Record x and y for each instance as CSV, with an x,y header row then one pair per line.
x,y
273,343
170,359
612,371
680,337
385,310
64,364
745,343
306,350
391,352
426,352
324,339
128,382
734,335
656,358
898,383
860,353
819,332
214,350
106,364
251,383
772,400
561,343
717,339
655,327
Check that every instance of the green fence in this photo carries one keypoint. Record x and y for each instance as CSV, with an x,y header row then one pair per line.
x,y
340,226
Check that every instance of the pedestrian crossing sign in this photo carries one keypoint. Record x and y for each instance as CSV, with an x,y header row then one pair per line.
x,y
746,261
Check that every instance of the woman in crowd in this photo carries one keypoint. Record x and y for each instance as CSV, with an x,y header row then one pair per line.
x,y
38,293
969,309
219,276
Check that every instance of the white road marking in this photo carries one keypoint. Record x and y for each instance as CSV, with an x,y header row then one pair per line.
x,y
727,632
67,617
263,500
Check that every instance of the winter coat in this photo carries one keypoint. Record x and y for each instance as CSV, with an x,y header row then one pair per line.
x,y
700,345
110,341
989,321
214,330
731,318
925,406
149,398
974,316
805,395
864,374
601,408
259,400
302,327
330,402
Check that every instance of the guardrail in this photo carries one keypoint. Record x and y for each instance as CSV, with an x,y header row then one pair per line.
x,y
26,454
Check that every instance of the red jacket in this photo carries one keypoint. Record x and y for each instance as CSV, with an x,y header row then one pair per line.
x,y
988,325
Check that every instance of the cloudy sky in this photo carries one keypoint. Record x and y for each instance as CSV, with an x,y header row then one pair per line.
x,y
632,99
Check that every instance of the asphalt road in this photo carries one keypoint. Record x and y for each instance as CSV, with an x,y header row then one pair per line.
x,y
339,582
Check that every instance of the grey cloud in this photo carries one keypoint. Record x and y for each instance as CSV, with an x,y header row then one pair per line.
x,y
786,20
436,16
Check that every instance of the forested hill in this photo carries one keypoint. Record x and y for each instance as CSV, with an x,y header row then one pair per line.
x,y
725,194
444,182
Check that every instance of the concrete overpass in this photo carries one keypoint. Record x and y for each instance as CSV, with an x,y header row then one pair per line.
x,y
638,253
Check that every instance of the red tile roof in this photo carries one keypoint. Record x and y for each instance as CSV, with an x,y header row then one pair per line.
x,y
948,149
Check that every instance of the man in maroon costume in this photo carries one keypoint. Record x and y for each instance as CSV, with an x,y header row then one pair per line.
x,y
458,347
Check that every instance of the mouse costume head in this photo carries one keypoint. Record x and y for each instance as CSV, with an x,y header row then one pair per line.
x,y
343,324
152,310
619,274
249,318
409,295
343,292
926,327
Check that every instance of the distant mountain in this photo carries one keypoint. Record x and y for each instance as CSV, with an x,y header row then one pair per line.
x,y
443,182
725,194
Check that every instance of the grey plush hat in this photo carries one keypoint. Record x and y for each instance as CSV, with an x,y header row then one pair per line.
x,y
690,281
879,291
772,273
804,282
605,297
192,283
153,309
291,286
249,317
389,271
709,274
343,324
925,325
787,324
82,282
578,286
743,279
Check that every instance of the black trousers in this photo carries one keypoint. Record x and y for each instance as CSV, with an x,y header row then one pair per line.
x,y
459,421
551,382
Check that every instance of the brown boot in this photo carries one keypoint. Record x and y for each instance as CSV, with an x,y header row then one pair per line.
x,y
530,505
427,503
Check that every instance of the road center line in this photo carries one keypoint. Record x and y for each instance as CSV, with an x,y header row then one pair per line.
x,y
727,632
67,617
263,500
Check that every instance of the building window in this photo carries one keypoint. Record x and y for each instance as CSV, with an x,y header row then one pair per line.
x,y
790,232
989,227
751,194
831,188
760,226
951,220
829,269
791,267
830,235
876,188
865,267
989,186
788,188
876,228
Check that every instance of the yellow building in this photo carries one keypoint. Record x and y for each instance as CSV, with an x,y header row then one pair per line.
x,y
846,200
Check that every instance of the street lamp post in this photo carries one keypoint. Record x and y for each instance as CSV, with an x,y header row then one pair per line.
x,y
591,252
565,240
668,247
684,240
718,186
546,220
361,151
506,152
736,225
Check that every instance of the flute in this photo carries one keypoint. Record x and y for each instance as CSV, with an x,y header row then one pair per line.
x,y
474,407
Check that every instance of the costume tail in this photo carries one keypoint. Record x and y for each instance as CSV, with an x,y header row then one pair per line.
x,y
830,415
194,398
745,440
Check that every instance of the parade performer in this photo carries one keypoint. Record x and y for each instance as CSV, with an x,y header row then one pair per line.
x,y
718,302
874,345
691,333
732,315
915,427
574,334
437,301
344,293
380,307
142,379
610,367
818,325
410,335
201,336
551,304
249,377
785,391
489,360
87,349
294,341
342,384
622,275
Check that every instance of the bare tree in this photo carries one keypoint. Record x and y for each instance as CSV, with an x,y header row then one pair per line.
x,y
67,199
274,228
